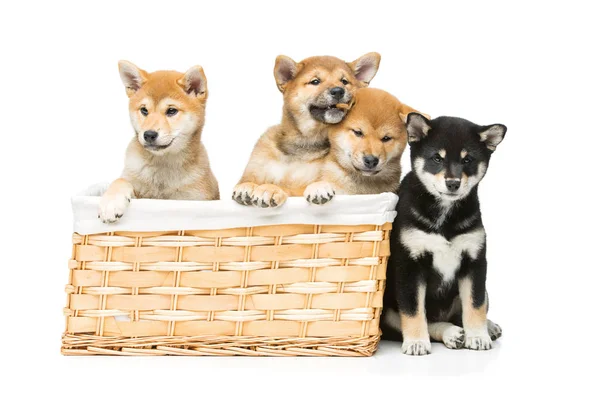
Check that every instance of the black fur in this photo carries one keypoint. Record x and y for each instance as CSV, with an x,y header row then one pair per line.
x,y
419,208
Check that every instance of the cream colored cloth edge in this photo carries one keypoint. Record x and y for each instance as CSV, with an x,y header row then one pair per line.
x,y
146,215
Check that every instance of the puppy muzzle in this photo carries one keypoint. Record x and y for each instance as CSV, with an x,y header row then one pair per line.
x,y
331,106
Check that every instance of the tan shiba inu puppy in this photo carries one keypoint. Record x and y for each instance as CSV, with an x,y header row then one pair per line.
x,y
317,92
165,159
366,148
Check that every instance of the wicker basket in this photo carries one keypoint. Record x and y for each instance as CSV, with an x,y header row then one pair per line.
x,y
284,285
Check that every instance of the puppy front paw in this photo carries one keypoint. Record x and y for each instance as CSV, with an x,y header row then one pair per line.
x,y
242,193
454,337
494,330
113,206
416,347
478,341
319,192
268,195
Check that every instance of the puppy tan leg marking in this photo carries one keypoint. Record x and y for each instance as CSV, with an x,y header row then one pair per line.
x,y
494,329
115,201
451,335
268,195
319,192
414,329
474,319
242,193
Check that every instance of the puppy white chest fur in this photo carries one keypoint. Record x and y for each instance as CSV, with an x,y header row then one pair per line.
x,y
300,173
447,254
157,180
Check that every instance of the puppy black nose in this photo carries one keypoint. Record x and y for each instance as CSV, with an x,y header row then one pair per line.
x,y
453,184
370,161
150,136
337,92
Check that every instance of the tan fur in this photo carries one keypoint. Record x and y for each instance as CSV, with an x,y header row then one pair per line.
x,y
181,169
376,114
289,156
475,323
473,318
414,328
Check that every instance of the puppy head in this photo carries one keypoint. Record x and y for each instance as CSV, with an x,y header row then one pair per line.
x,y
312,87
166,107
451,155
373,136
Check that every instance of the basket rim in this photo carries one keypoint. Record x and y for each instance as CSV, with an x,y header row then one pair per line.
x,y
151,215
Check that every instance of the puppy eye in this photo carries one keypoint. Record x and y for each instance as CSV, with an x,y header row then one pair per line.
x,y
345,81
171,111
437,158
386,139
144,111
467,160
357,133
315,82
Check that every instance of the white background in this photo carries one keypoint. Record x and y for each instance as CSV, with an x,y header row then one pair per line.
x,y
530,66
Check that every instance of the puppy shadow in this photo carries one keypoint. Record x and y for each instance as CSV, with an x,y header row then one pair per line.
x,y
390,361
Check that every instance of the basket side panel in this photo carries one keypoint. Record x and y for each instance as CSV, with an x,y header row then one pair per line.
x,y
287,290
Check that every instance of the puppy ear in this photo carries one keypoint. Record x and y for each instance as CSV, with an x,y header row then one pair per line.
x,y
133,77
285,70
405,110
492,135
365,67
194,83
417,127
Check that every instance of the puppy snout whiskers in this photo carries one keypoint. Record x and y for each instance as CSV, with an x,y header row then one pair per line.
x,y
370,161
150,136
453,184
337,92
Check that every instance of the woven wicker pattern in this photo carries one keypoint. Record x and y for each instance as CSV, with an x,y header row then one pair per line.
x,y
271,290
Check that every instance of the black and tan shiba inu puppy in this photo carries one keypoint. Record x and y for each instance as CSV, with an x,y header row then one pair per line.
x,y
437,270
317,92
366,148
165,159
